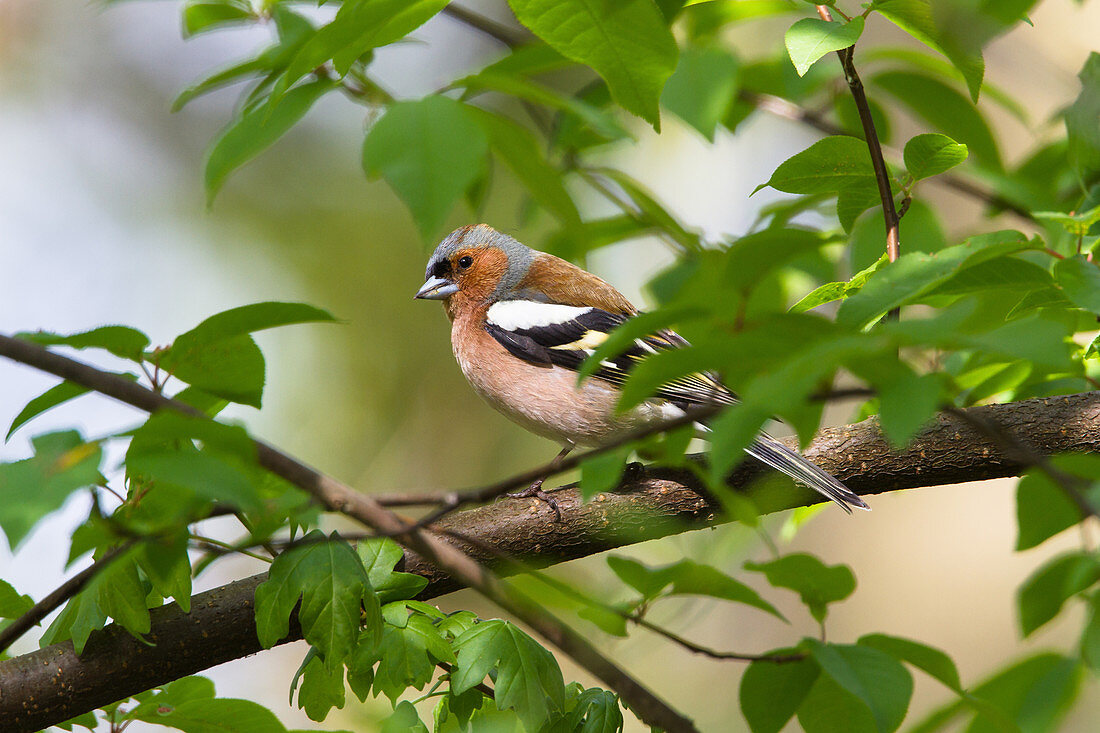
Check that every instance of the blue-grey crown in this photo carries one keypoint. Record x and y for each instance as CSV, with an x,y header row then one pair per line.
x,y
483,235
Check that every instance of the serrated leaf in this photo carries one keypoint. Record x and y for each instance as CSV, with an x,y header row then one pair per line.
x,y
12,603
34,487
413,142
873,676
627,43
930,154
408,656
256,130
815,582
320,690
771,693
335,592
528,679
811,38
1045,591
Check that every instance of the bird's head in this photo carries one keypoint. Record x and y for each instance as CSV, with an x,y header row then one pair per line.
x,y
478,262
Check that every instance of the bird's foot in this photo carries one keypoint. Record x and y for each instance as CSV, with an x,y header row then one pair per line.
x,y
535,490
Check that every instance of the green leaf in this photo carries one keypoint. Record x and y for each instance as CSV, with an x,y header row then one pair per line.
x,y
944,109
12,603
380,556
256,130
254,317
34,487
627,43
206,473
203,15
80,617
122,595
929,659
404,720
811,38
603,472
528,679
522,153
1033,693
1042,509
52,397
122,341
358,27
215,715
321,689
771,693
334,589
907,403
652,212
1090,638
917,273
293,30
873,676
702,89
816,583
832,164
1082,127
167,566
829,708
930,154
414,143
408,656
1079,279
686,578
915,17
1045,591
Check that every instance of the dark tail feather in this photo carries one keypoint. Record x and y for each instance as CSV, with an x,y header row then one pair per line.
x,y
771,452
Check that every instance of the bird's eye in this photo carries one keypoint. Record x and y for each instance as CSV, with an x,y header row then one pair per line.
x,y
465,262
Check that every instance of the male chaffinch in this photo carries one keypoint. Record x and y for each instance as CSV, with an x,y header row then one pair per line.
x,y
523,321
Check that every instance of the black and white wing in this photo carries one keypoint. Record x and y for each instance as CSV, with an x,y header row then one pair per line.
x,y
551,334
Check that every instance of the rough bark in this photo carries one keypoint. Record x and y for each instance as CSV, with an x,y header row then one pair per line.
x,y
53,684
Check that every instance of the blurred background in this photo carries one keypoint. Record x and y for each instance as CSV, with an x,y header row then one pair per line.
x,y
103,220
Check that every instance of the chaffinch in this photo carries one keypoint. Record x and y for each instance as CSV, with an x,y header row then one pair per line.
x,y
522,323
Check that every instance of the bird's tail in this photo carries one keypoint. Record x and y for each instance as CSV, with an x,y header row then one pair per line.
x,y
774,454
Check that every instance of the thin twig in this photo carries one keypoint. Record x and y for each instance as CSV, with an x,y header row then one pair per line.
x,y
498,31
874,147
339,497
636,618
10,634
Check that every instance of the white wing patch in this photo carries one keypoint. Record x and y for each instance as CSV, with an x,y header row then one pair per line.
x,y
519,315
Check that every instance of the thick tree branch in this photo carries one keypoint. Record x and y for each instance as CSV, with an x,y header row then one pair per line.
x,y
53,684
335,496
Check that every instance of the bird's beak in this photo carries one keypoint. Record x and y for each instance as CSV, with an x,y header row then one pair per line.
x,y
436,288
